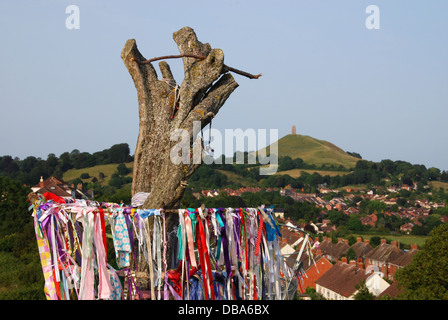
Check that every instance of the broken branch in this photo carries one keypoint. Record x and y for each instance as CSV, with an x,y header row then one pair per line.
x,y
187,55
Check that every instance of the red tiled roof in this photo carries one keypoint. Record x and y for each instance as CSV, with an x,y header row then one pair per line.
x,y
342,278
361,248
53,188
391,291
384,252
404,259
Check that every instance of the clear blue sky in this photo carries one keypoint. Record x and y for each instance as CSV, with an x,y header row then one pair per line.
x,y
381,93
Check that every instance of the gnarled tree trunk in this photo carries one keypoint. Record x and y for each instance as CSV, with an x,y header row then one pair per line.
x,y
164,107
205,88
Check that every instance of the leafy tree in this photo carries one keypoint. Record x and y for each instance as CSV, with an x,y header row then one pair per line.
x,y
375,241
122,169
354,224
84,175
14,214
426,277
8,164
27,164
355,154
20,270
285,163
363,292
337,217
311,292
119,153
65,162
351,254
118,181
122,195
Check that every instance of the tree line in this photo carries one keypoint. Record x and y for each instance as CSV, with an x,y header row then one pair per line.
x,y
365,172
29,170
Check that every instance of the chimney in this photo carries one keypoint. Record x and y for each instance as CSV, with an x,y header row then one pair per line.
x,y
367,241
414,246
359,239
394,243
344,260
352,262
41,182
360,264
383,241
339,240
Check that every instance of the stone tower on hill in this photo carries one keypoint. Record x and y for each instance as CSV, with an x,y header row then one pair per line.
x,y
293,129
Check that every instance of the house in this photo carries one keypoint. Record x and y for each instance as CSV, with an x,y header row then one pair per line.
x,y
361,248
279,213
314,270
351,210
326,226
286,249
392,291
406,187
369,220
390,201
55,186
339,282
325,246
401,261
290,237
376,284
314,267
382,255
61,189
407,227
334,252
393,189
324,190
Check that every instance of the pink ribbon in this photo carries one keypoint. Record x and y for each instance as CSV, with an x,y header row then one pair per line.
x,y
189,230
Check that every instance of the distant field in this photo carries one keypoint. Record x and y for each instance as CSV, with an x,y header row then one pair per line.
x,y
437,185
357,187
404,239
107,169
235,178
295,173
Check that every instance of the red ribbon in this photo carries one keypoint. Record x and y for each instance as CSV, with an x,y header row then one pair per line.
x,y
260,232
103,230
205,261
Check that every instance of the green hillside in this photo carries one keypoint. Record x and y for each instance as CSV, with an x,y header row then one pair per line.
x,y
106,169
313,151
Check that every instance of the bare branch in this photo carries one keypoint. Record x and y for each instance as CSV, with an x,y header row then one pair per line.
x,y
226,67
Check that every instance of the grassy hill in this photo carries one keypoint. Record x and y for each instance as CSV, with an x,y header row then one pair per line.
x,y
313,151
106,169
